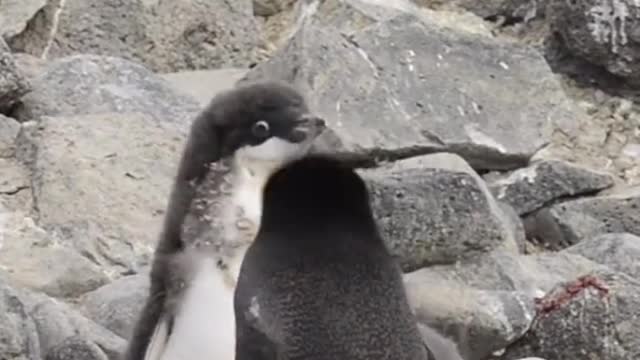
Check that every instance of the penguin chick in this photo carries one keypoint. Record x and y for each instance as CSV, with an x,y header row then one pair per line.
x,y
318,282
235,144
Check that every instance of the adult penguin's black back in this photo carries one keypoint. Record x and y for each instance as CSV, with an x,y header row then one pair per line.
x,y
318,282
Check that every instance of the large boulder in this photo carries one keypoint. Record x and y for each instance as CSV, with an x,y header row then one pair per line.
x,y
538,185
592,317
603,32
13,84
34,326
101,183
9,129
570,222
487,303
405,83
435,209
618,251
16,14
166,36
90,84
33,259
117,305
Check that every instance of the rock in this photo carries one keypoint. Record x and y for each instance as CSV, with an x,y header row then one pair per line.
x,y
165,36
479,321
89,84
595,316
531,188
620,252
18,336
270,7
15,14
33,259
15,186
501,271
76,348
57,322
449,88
116,306
515,224
603,32
9,129
203,85
435,210
568,223
102,182
486,303
13,84
30,66
513,10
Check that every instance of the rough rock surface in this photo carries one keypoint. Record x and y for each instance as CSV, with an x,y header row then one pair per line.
x,y
203,85
270,7
487,303
9,129
33,259
164,35
12,83
434,209
101,183
618,251
460,90
33,325
604,32
479,321
592,317
76,348
14,15
565,224
89,84
531,188
117,305
490,9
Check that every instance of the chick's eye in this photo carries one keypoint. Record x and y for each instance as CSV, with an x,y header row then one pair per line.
x,y
260,129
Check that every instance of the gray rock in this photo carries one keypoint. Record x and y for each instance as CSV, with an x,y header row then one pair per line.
x,y
568,223
33,259
531,188
501,271
619,252
30,66
116,306
76,348
203,85
522,10
15,14
112,212
516,226
56,322
15,186
166,36
18,336
593,317
435,210
407,83
603,32
13,84
9,129
479,321
270,7
89,84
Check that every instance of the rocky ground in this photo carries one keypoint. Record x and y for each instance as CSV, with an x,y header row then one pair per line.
x,y
510,190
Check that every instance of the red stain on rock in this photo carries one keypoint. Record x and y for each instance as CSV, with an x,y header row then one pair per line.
x,y
560,297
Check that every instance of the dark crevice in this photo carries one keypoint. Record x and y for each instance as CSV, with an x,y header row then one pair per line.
x,y
14,191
